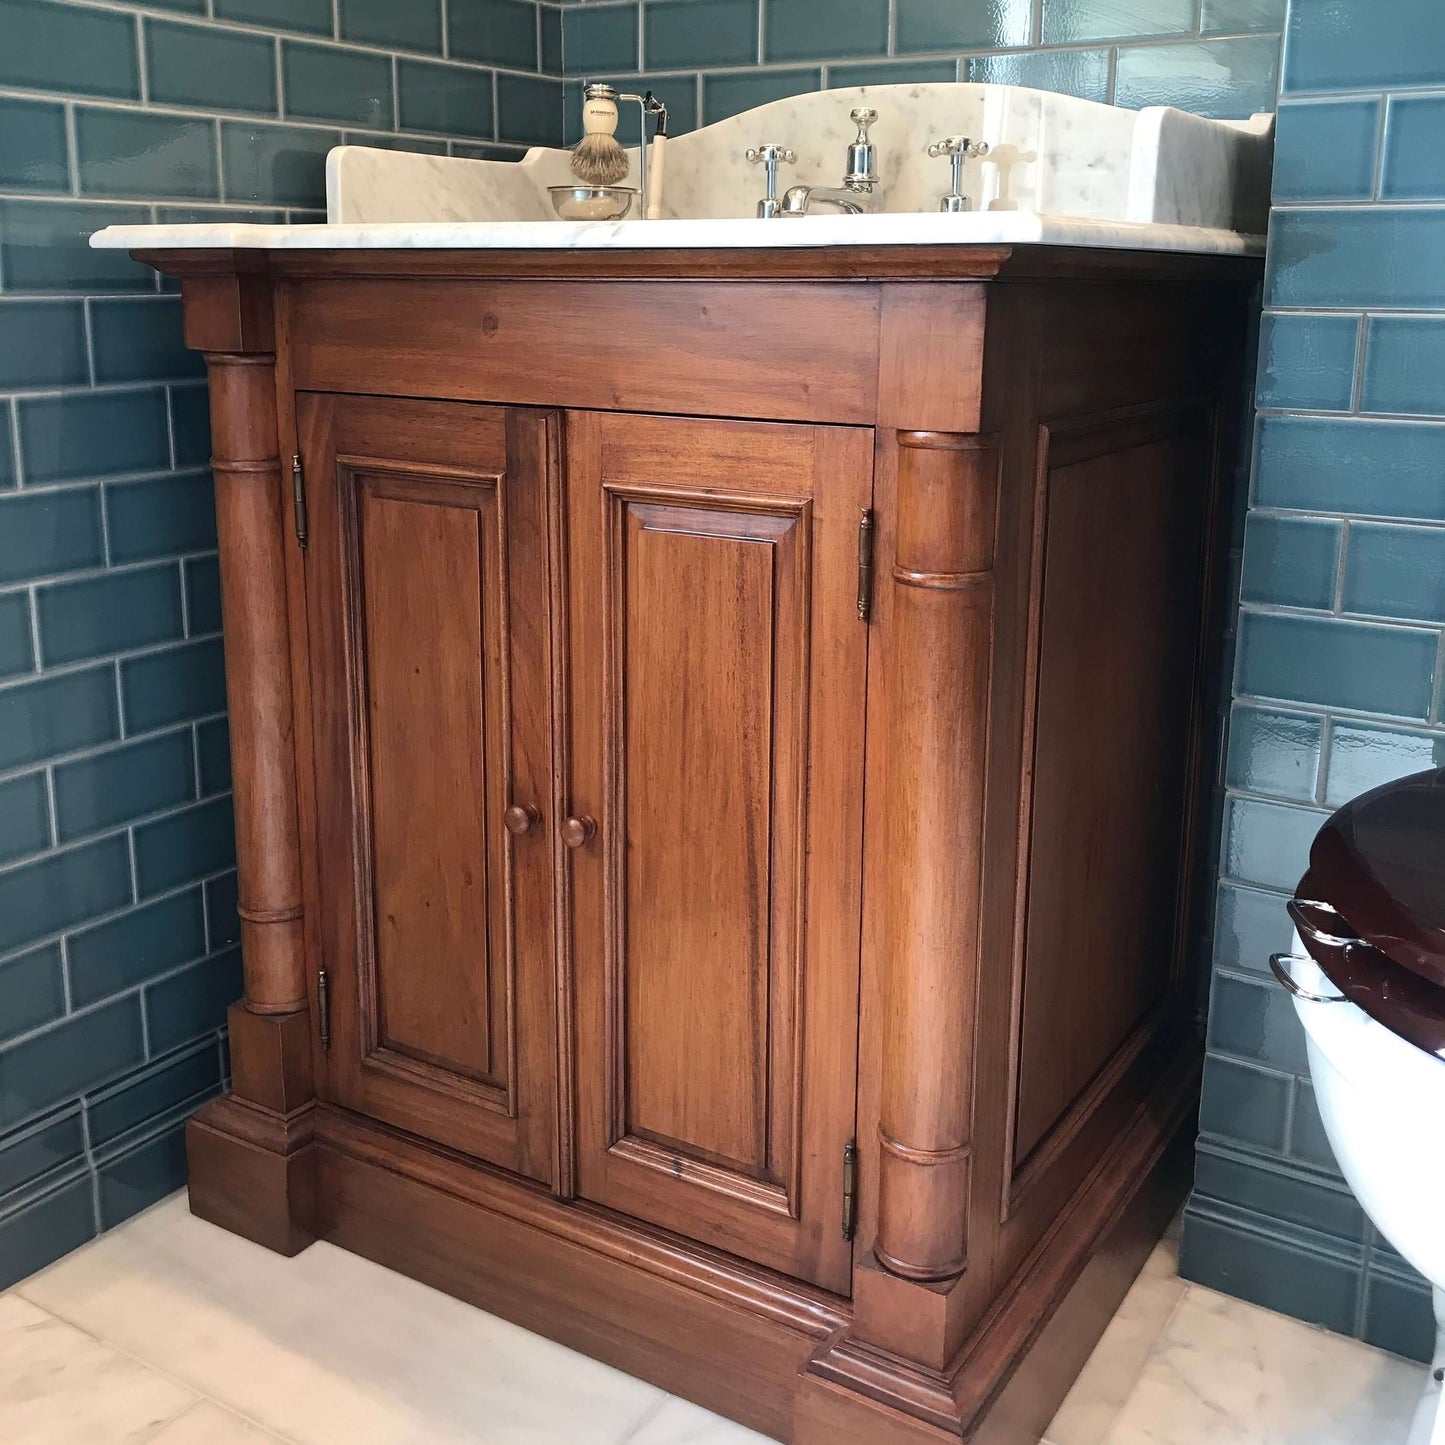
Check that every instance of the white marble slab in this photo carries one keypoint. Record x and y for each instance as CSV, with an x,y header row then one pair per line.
x,y
968,229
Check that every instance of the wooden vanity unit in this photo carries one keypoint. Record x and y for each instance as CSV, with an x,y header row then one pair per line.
x,y
719,741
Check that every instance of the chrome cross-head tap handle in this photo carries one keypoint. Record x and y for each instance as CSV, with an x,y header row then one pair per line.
x,y
958,148
862,160
770,157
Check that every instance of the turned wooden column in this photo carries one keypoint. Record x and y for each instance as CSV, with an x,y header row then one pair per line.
x,y
937,736
251,527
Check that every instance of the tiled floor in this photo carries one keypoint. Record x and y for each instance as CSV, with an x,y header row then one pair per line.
x,y
169,1330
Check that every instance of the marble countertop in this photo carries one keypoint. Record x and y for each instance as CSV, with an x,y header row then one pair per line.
x,y
972,228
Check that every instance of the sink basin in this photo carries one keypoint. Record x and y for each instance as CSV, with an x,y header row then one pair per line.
x,y
1049,154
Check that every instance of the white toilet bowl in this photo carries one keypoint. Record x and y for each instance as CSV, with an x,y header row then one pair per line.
x,y
1383,1105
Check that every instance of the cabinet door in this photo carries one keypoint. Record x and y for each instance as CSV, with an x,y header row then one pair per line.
x,y
427,606
717,674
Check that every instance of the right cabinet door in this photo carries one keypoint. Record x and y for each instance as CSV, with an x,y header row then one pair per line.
x,y
717,679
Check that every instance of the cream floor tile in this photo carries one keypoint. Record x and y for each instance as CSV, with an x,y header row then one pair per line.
x,y
679,1422
328,1347
59,1386
1113,1370
1227,1373
208,1424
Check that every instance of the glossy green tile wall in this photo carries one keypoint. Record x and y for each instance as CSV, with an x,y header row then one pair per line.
x,y
1338,674
118,932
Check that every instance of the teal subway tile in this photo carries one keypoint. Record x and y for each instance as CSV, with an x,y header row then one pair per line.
x,y
64,438
225,922
61,890
130,153
203,594
1308,1141
191,425
328,82
135,947
1084,73
140,1176
24,817
529,109
1276,753
45,246
1325,257
1363,757
206,215
550,30
161,516
499,32
55,715
71,49
187,1077
1306,363
1225,78
599,40
45,1229
1244,1103
110,788
115,612
202,65
32,146
1249,925
447,98
1393,571
682,33
725,95
1324,150
892,72
412,145
1399,1316
415,25
42,343
213,755
794,30
34,993
7,465
1413,169
140,339
1354,665
1295,1196
963,24
1268,843
1345,45
177,685
16,653
1070,20
49,532
55,1143
194,1001
311,16
184,846
1374,468
1405,365
1233,16
1290,561
276,165
1256,1020
677,92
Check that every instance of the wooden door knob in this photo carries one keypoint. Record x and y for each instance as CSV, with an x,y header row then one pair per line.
x,y
577,831
520,818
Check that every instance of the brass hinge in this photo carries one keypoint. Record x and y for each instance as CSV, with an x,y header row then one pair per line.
x,y
865,565
850,1189
298,499
323,1008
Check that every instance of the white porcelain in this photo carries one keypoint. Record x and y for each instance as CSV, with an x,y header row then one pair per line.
x,y
679,1422
1050,153
1382,1101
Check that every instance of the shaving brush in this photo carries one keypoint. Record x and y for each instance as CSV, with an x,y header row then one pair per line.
x,y
597,159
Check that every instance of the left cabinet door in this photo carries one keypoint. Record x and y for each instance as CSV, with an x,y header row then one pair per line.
x,y
427,608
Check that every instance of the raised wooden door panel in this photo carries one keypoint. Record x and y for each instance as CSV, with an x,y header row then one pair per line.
x,y
717,700
427,599
1121,541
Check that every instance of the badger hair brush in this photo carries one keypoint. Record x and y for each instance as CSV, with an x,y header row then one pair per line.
x,y
597,159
